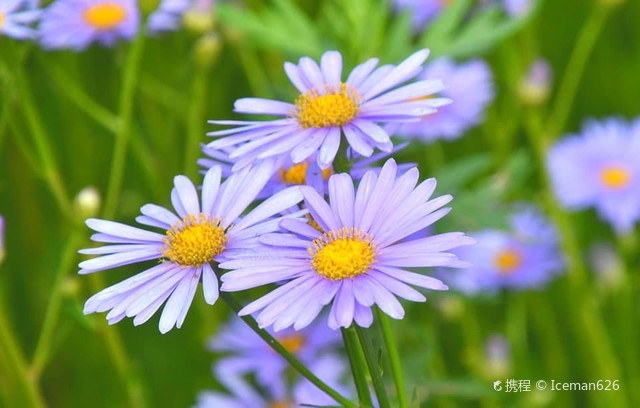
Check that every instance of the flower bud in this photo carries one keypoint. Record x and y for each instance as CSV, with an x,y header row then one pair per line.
x,y
535,87
497,356
206,50
87,202
607,265
200,18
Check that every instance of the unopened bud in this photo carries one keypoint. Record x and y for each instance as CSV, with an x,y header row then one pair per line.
x,y
200,18
498,356
87,202
607,265
535,87
206,50
451,307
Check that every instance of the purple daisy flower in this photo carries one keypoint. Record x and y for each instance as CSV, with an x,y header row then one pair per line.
x,y
75,24
469,85
168,16
249,354
423,11
355,256
304,173
16,17
302,393
327,107
194,239
526,257
600,168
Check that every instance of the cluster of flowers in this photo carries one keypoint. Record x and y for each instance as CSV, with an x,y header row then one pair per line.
x,y
246,356
75,24
350,251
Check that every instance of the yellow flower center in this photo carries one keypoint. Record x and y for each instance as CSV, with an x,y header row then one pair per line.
x,y
194,240
615,177
105,16
1,19
508,261
337,107
293,343
279,404
297,174
346,253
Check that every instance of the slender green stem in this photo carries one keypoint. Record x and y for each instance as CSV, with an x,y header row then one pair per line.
x,y
130,78
358,366
12,361
196,119
44,344
118,355
375,371
394,358
103,117
575,69
50,169
291,359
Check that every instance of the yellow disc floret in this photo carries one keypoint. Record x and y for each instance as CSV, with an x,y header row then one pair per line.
x,y
341,254
1,19
336,107
615,177
297,174
293,343
194,240
105,16
507,261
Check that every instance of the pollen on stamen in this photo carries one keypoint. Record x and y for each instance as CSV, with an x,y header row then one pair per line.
x,y
345,253
194,240
336,107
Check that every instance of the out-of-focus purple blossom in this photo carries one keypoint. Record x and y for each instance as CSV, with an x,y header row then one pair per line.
x,y
470,87
600,168
16,18
525,257
517,8
168,15
76,24
423,11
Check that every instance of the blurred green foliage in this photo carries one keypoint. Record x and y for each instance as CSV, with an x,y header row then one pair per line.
x,y
70,102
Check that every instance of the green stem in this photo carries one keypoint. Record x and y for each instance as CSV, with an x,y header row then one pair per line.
x,y
41,140
394,358
575,69
358,366
103,117
371,358
12,361
44,344
291,359
131,73
196,120
118,355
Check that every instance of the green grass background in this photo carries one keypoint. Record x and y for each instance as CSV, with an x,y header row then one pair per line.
x,y
575,330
